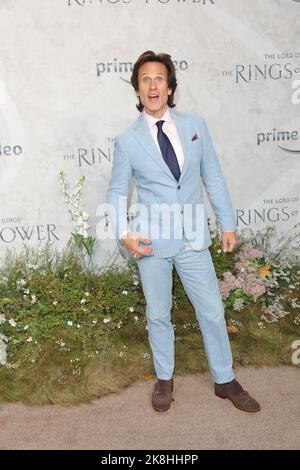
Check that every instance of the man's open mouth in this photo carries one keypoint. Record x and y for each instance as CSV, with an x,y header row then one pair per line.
x,y
153,96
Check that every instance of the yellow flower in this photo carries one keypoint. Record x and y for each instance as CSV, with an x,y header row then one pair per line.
x,y
265,270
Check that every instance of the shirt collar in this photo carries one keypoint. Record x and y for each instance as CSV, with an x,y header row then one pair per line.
x,y
151,121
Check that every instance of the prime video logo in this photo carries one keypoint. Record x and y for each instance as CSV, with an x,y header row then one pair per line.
x,y
278,136
117,67
84,3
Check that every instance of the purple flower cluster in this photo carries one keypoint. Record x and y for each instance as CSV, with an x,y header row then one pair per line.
x,y
248,253
230,283
248,278
254,288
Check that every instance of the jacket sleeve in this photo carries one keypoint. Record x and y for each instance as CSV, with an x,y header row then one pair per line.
x,y
117,192
215,184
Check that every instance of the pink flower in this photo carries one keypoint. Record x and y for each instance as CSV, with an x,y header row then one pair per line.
x,y
230,283
254,288
249,253
224,289
253,253
231,280
241,266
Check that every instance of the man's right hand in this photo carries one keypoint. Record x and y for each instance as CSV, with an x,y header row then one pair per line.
x,y
131,242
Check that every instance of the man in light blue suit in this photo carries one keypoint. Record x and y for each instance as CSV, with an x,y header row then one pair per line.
x,y
168,154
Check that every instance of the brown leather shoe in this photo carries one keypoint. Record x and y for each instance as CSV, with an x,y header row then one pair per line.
x,y
162,395
239,397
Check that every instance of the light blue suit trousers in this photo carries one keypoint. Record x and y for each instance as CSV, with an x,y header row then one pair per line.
x,y
198,276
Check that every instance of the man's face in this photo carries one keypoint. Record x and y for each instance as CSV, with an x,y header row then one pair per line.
x,y
153,88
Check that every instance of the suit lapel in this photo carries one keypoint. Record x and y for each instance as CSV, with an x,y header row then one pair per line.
x,y
144,137
183,128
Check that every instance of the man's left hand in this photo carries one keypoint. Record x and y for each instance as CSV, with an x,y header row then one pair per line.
x,y
229,241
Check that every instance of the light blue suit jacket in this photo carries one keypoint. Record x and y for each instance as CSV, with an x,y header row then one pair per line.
x,y
136,155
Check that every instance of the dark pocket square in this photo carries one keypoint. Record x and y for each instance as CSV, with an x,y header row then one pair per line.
x,y
195,137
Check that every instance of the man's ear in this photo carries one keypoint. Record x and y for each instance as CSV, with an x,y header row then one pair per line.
x,y
169,91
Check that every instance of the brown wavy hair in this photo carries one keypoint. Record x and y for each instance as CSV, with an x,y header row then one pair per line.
x,y
165,59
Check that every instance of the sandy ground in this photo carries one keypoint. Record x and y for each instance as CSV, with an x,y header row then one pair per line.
x,y
196,420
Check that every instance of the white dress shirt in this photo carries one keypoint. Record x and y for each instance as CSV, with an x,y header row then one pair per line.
x,y
170,130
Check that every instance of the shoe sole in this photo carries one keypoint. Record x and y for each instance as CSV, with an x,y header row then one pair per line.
x,y
165,409
238,407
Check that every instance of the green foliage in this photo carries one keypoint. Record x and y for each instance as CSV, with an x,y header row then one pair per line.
x,y
59,302
222,261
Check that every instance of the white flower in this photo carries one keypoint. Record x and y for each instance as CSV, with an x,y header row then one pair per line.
x,y
12,322
219,251
83,301
125,292
2,319
26,327
32,266
106,320
3,356
74,203
236,323
145,355
70,323
29,339
87,294
238,304
80,221
94,322
297,320
136,283
82,232
26,291
33,299
294,303
55,302
131,309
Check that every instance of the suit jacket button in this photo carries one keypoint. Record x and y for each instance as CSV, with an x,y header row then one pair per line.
x,y
178,187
